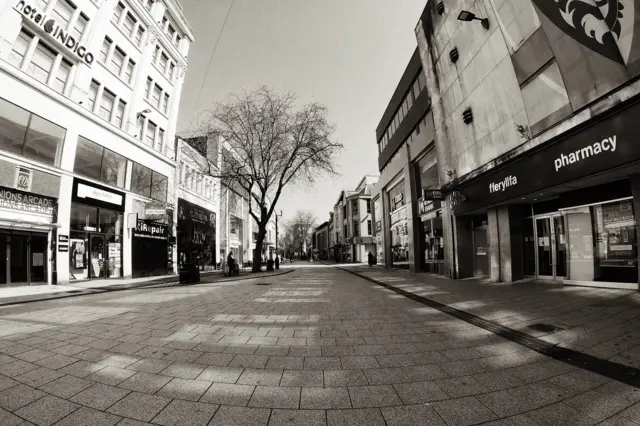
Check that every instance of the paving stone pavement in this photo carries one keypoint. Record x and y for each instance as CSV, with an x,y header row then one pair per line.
x,y
315,347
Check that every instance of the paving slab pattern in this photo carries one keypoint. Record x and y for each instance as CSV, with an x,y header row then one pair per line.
x,y
315,347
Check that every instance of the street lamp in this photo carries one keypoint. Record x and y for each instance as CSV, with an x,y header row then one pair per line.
x,y
467,16
277,253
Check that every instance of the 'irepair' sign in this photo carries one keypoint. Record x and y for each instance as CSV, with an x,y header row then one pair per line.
x,y
55,31
606,144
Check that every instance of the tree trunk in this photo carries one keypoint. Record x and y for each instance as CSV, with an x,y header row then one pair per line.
x,y
257,252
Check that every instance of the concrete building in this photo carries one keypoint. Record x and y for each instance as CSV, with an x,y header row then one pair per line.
x,y
534,121
360,220
89,101
408,229
320,241
198,203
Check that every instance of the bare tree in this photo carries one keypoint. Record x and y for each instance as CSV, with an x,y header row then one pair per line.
x,y
267,144
303,223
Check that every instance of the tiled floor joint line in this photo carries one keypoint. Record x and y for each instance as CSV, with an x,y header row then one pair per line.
x,y
612,370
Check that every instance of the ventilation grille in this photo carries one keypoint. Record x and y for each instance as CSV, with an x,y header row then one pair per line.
x,y
440,8
467,116
454,55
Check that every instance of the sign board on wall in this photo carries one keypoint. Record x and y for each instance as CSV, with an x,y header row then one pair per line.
x,y
14,199
151,230
23,180
432,194
606,144
54,31
86,192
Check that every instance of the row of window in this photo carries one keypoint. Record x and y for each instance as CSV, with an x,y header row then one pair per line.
x,y
156,96
64,11
114,58
151,135
170,29
96,162
129,24
106,104
410,97
163,64
31,136
195,181
40,61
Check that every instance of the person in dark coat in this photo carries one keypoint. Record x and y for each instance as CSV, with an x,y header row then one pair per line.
x,y
231,262
370,258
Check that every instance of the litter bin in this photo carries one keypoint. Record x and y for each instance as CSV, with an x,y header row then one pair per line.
x,y
189,273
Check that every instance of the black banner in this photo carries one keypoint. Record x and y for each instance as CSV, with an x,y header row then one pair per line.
x,y
606,144
146,229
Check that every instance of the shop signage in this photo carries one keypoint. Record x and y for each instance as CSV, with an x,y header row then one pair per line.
x,y
602,146
23,180
191,212
432,194
54,31
17,200
63,239
378,226
427,206
63,249
146,229
85,191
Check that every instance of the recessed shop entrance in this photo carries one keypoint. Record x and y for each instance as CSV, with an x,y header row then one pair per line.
x,y
23,258
549,247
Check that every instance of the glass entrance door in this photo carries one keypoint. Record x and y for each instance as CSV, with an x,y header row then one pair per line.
x,y
96,258
551,247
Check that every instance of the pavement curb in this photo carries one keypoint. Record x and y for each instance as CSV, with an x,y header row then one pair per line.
x,y
21,300
612,370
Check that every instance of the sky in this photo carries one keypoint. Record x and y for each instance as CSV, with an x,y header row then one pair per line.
x,y
346,54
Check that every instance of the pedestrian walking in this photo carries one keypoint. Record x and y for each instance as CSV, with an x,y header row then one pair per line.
x,y
370,258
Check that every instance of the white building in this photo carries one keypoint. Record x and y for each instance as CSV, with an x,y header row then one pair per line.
x,y
88,107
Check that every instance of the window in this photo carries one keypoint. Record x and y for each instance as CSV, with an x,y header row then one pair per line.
x,y
13,127
147,88
155,54
20,48
177,42
93,94
79,26
164,59
409,101
172,68
546,99
160,139
356,229
369,227
106,105
128,72
170,31
128,24
63,11
104,50
150,134
117,61
139,35
43,140
88,161
41,63
114,168
148,183
118,13
62,74
157,91
422,81
120,113
165,103
368,206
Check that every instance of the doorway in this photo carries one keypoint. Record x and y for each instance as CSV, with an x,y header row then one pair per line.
x,y
480,252
550,247
23,258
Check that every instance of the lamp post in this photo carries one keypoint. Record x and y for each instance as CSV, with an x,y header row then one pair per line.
x,y
467,16
277,253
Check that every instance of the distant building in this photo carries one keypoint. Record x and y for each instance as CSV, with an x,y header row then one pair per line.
x,y
321,241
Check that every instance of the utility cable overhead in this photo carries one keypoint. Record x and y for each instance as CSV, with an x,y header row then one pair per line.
x,y
213,52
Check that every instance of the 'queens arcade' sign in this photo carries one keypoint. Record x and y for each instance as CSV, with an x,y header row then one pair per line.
x,y
51,27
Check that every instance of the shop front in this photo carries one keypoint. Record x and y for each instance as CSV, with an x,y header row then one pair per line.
x,y
196,235
398,226
96,226
26,228
565,211
150,249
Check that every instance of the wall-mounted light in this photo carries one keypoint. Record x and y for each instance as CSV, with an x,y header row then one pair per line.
x,y
142,113
467,16
467,116
454,55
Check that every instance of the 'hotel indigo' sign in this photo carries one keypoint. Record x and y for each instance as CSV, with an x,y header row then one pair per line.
x,y
54,30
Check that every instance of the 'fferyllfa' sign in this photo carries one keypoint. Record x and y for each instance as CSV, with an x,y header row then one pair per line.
x,y
54,30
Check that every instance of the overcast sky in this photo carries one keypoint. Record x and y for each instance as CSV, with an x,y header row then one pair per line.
x,y
346,54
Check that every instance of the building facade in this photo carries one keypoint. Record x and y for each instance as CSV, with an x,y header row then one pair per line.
x,y
534,116
320,242
407,227
90,98
360,220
